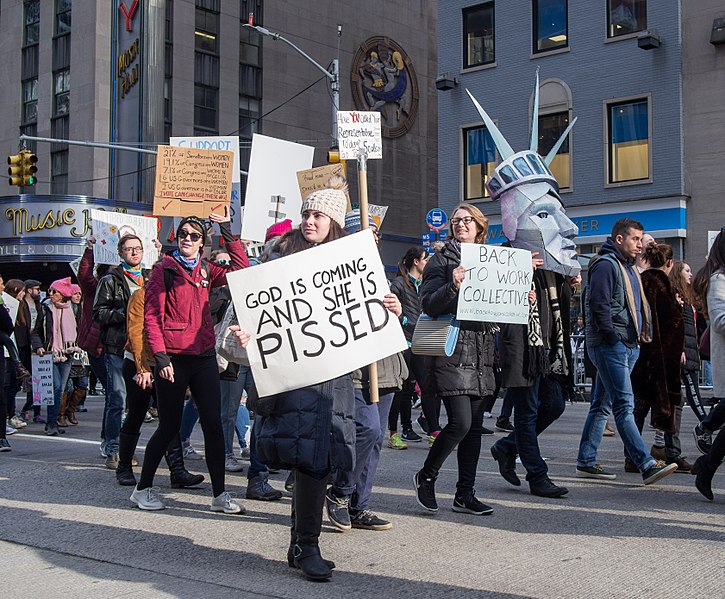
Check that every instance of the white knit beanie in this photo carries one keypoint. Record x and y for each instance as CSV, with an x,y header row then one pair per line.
x,y
331,201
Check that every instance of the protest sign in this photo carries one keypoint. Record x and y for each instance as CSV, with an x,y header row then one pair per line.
x,y
109,227
273,193
496,285
42,380
377,213
359,130
12,305
313,179
221,142
315,315
192,182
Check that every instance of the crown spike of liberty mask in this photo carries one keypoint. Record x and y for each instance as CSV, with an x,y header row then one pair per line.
x,y
532,214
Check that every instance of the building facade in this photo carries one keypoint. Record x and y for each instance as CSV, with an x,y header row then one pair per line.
x,y
137,72
615,65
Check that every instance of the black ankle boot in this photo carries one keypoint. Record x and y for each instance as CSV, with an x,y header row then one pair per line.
x,y
124,470
291,555
180,476
703,474
308,559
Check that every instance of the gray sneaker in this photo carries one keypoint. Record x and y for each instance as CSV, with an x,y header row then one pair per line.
x,y
231,464
147,499
112,461
596,471
225,503
258,488
189,451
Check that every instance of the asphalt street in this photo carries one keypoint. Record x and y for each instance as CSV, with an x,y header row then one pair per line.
x,y
68,530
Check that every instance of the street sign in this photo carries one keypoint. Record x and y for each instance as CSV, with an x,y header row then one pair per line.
x,y
436,219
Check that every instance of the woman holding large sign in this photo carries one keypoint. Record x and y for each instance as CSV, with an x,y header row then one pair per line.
x,y
464,378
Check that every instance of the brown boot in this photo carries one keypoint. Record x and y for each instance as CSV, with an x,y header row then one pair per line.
x,y
77,397
62,419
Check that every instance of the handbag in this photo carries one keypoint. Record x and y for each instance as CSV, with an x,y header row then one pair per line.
x,y
703,346
435,336
228,347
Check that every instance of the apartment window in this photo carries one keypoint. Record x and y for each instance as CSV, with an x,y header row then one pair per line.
x,y
626,16
551,126
31,34
628,140
61,92
206,34
249,47
478,35
59,172
249,111
550,25
479,153
62,16
205,107
30,101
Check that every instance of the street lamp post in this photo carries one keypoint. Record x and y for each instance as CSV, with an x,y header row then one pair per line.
x,y
333,74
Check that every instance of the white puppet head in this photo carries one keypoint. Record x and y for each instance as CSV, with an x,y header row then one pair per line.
x,y
532,214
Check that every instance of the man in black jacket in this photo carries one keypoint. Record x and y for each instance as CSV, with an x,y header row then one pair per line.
x,y
109,310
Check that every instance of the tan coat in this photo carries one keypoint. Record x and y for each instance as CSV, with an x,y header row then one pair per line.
x,y
136,342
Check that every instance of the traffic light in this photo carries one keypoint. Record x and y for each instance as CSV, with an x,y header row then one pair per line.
x,y
22,169
333,155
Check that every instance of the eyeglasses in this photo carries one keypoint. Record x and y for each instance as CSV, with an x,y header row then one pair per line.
x,y
183,234
466,220
134,250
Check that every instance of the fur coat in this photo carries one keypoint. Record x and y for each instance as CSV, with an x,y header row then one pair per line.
x,y
656,375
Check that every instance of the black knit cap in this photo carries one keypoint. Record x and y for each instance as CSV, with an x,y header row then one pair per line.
x,y
197,222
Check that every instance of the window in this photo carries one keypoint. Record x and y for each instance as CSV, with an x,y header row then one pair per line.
x,y
626,16
62,16
249,111
478,35
628,140
550,25
31,35
551,126
207,31
249,47
61,92
205,107
59,172
479,153
30,101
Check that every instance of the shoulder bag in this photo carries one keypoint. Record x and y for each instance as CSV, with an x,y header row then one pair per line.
x,y
435,336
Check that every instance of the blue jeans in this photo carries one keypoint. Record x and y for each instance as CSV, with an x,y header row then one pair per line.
x,y
241,425
536,408
189,418
231,393
371,422
115,399
61,373
255,466
613,393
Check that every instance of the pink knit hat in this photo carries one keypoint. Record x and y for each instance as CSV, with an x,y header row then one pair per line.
x,y
63,286
75,288
278,229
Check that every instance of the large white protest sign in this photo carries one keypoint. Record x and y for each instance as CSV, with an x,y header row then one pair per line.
x,y
497,284
316,315
221,142
359,130
273,192
109,227
42,379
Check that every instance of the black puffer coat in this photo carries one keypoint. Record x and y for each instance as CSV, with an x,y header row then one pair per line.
x,y
410,301
692,353
309,428
469,371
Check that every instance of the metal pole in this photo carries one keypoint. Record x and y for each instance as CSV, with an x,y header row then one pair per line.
x,y
90,144
335,87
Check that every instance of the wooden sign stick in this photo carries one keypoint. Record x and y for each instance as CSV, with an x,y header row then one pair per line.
x,y
362,185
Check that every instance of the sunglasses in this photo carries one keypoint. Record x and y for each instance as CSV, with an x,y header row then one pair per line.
x,y
63,299
193,236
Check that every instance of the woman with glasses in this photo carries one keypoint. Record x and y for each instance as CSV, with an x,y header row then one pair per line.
x,y
55,332
465,378
179,331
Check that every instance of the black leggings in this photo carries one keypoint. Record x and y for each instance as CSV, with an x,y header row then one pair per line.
x,y
137,400
201,375
465,420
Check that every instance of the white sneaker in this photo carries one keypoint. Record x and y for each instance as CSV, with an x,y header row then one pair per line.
x,y
231,464
148,417
487,415
147,499
18,422
189,451
9,430
225,503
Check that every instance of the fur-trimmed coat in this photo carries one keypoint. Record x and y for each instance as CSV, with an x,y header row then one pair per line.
x,y
656,375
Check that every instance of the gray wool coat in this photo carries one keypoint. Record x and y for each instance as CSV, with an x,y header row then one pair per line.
x,y
716,312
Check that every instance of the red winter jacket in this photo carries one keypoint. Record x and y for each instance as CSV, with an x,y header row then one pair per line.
x,y
179,321
89,333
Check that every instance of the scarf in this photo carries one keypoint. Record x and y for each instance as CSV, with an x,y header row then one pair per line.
x,y
557,357
135,274
187,263
64,331
537,362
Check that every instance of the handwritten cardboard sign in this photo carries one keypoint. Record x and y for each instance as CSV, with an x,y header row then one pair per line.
x,y
315,315
377,213
273,193
313,179
497,284
109,227
359,130
192,181
221,142
42,380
